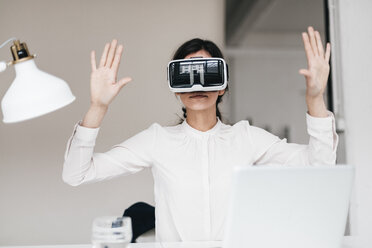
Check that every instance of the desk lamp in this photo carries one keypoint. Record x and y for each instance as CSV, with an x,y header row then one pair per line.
x,y
33,92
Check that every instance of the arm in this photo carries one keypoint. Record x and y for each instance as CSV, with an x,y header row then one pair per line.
x,y
320,122
321,149
81,164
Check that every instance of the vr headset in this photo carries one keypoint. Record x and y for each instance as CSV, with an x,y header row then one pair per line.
x,y
197,74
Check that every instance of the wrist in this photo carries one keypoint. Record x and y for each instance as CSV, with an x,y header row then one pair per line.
x,y
316,106
94,116
98,106
317,98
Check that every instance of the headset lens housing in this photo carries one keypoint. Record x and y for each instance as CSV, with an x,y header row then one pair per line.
x,y
197,74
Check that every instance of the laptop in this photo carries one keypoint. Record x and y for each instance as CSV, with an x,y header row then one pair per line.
x,y
288,207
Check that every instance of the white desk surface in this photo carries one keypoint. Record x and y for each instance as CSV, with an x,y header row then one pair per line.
x,y
349,242
207,244
210,244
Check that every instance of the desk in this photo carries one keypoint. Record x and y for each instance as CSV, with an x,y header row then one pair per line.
x,y
349,242
211,244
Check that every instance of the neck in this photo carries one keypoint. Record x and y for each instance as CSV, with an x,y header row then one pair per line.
x,y
202,120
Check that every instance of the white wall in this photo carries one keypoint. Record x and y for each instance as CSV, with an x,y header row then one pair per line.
x,y
355,39
36,206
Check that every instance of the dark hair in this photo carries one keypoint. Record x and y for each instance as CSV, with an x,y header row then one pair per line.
x,y
193,46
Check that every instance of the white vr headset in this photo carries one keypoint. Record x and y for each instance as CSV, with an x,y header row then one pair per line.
x,y
197,74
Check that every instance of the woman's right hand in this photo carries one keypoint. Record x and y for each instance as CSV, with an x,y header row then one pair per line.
x,y
103,79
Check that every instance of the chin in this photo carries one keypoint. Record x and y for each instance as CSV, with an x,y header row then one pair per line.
x,y
199,107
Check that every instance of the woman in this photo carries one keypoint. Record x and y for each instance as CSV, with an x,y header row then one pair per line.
x,y
191,162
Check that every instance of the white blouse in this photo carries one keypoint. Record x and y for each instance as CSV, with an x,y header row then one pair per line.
x,y
192,169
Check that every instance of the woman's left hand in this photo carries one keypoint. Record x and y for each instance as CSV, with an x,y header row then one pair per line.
x,y
318,64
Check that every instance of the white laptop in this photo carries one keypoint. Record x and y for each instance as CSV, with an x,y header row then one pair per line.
x,y
288,207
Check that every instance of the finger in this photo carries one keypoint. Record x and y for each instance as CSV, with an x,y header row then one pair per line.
x,y
117,58
93,60
123,82
111,53
304,72
319,44
309,52
312,40
328,52
104,55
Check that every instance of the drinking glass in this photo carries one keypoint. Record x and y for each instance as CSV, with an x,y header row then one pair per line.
x,y
111,232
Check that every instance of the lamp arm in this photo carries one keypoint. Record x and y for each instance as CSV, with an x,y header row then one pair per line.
x,y
3,64
6,42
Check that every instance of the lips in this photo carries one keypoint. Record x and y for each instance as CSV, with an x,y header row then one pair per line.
x,y
199,95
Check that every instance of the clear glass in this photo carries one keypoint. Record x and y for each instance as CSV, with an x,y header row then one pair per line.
x,y
111,232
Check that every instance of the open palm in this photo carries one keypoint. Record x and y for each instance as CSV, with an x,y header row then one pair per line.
x,y
318,63
103,81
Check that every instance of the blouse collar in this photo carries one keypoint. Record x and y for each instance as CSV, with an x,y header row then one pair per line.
x,y
211,131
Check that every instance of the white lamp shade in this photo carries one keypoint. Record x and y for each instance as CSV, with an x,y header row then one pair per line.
x,y
34,93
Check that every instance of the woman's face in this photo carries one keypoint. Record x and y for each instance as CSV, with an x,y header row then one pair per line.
x,y
200,100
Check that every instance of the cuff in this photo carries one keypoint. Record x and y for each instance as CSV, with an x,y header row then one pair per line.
x,y
321,123
85,133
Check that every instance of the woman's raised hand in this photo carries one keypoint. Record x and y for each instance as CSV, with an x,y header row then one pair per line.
x,y
103,80
318,63
317,72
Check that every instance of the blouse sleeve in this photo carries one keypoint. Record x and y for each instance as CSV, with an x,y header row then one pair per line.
x,y
321,149
82,165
